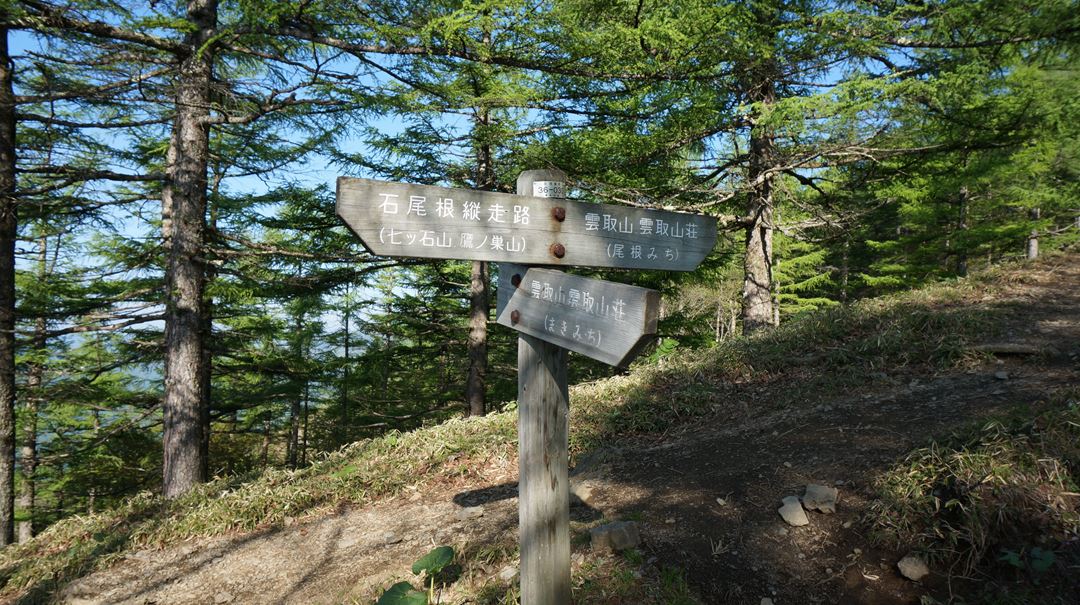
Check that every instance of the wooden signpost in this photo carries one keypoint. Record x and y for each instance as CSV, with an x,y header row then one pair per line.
x,y
553,312
425,221
603,320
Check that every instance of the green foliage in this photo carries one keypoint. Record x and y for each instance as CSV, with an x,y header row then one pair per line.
x,y
403,593
434,562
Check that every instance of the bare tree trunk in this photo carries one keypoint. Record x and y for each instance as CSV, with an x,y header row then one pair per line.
x,y
31,402
205,384
292,449
1033,239
91,496
757,293
264,454
475,388
8,234
184,220
304,427
345,421
845,268
961,227
479,296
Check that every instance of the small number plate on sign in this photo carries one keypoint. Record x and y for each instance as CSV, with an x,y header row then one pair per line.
x,y
549,189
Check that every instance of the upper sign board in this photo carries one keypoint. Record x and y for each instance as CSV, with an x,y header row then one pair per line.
x,y
604,320
425,221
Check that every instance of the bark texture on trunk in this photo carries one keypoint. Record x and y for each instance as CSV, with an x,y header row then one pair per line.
x,y
35,373
184,215
757,292
8,233
475,388
1033,239
479,295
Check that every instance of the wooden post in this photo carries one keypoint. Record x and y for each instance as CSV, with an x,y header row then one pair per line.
x,y
543,461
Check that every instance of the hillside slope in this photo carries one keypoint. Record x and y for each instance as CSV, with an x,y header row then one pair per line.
x,y
699,450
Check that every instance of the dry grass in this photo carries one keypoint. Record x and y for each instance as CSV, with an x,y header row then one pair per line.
x,y
1001,498
931,327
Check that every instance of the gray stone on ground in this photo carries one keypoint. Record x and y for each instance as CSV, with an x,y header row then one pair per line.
x,y
391,538
913,568
820,498
223,597
766,601
469,512
1001,375
508,573
792,512
616,536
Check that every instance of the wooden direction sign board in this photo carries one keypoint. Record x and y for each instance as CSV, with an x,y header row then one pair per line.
x,y
603,320
425,221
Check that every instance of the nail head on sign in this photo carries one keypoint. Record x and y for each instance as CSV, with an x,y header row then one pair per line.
x,y
558,213
515,280
515,316
558,250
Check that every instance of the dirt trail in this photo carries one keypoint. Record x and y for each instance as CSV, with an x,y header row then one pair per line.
x,y
735,551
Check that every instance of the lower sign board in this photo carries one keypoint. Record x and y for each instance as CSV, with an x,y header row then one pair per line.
x,y
603,320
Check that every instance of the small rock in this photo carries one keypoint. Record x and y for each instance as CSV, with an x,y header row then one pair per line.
x,y
820,498
414,497
289,521
913,568
670,520
223,597
508,573
847,524
721,502
857,551
583,491
469,512
792,512
766,601
1001,375
391,538
616,536
782,531
787,464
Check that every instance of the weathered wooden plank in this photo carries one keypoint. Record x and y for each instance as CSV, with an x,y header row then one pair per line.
x,y
543,483
604,320
543,441
425,221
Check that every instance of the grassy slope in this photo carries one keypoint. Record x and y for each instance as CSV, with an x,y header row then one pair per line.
x,y
930,327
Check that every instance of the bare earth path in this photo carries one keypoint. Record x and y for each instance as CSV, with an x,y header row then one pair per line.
x,y
735,550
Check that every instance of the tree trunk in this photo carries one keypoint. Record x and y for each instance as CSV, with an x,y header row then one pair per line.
x,y
757,293
31,403
961,227
205,383
479,296
346,374
478,317
8,234
184,220
264,453
292,449
1033,239
845,268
